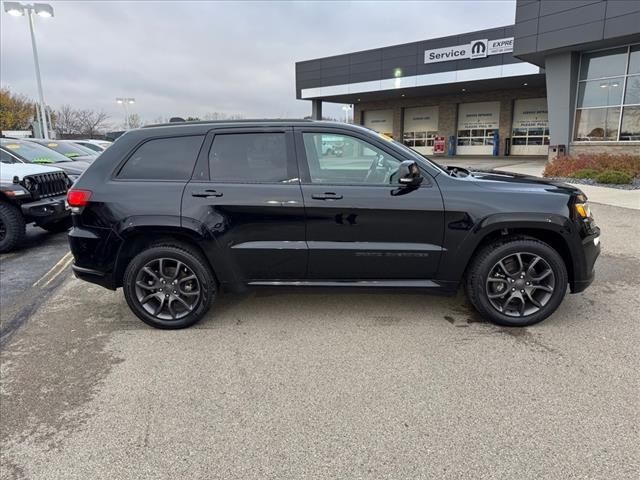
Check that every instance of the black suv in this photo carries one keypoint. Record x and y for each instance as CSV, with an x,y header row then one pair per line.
x,y
176,213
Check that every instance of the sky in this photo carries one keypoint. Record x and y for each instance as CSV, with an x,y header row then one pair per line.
x,y
191,58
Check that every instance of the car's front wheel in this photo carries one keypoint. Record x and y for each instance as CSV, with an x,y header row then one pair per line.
x,y
169,286
12,227
516,282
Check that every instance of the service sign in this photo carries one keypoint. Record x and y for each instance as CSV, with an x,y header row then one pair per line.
x,y
474,49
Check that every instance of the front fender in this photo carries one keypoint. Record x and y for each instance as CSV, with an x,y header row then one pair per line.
x,y
462,243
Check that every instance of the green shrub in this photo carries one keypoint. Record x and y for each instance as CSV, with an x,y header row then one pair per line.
x,y
585,173
613,176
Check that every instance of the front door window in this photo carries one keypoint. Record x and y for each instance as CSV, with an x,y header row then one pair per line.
x,y
344,160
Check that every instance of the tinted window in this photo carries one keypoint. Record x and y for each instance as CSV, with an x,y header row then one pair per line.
x,y
163,159
341,159
251,157
6,158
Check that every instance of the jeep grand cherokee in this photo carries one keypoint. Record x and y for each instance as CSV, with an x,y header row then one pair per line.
x,y
175,214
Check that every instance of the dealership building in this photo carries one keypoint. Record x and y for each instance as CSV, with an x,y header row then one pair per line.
x,y
566,75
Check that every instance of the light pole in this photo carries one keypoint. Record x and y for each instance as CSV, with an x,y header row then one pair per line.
x,y
45,10
346,109
126,101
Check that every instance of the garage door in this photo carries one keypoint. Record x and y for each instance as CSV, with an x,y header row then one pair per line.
x,y
530,134
379,120
476,124
420,128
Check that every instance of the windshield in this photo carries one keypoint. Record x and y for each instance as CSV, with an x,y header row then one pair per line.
x,y
412,153
34,153
67,149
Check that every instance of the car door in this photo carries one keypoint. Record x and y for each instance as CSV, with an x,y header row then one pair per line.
x,y
361,224
245,193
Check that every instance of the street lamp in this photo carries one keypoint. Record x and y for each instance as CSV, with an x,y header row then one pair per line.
x,y
126,101
346,109
44,10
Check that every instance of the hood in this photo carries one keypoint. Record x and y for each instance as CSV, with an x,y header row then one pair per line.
x,y
84,158
10,170
498,179
73,168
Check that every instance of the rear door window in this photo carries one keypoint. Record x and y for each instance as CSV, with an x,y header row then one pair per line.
x,y
163,159
251,158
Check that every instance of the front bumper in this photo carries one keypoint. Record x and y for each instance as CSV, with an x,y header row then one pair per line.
x,y
584,271
47,210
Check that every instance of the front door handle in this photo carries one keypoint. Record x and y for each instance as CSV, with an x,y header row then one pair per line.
x,y
326,196
207,193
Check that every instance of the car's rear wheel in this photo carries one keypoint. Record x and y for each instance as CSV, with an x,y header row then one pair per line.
x,y
169,286
12,227
517,283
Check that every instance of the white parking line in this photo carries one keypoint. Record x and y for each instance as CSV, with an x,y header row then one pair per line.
x,y
64,262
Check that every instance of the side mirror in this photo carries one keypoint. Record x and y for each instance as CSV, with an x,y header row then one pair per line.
x,y
409,174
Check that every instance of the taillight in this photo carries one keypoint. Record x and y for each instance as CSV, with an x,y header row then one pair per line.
x,y
78,198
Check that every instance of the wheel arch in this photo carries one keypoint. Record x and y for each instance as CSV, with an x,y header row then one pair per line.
x,y
553,230
136,239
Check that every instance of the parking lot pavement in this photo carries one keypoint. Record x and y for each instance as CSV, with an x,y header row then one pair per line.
x,y
331,385
29,274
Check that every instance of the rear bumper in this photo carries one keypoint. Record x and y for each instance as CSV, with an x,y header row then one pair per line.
x,y
94,250
94,276
47,210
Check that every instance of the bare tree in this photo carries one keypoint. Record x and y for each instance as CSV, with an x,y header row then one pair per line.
x,y
67,121
92,122
133,121
223,116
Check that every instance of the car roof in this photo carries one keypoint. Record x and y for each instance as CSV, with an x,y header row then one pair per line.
x,y
202,127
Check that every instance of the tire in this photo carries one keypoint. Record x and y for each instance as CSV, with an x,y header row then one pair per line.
x,y
162,260
12,227
495,289
58,227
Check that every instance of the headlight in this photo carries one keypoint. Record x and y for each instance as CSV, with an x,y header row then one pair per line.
x,y
14,191
583,210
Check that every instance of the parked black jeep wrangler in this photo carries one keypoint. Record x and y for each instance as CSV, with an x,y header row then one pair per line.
x,y
31,194
175,213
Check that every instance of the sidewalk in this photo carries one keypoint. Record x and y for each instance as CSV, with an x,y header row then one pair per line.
x,y
608,196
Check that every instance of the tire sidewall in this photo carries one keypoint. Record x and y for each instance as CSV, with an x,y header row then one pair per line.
x,y
14,225
202,272
523,246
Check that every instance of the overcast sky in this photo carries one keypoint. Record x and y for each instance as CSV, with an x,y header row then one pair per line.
x,y
191,58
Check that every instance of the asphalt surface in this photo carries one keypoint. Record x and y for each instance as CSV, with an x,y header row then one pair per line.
x,y
292,385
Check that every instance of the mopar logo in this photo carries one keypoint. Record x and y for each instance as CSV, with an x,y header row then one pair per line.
x,y
479,49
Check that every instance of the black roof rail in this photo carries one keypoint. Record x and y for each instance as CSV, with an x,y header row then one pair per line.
x,y
218,122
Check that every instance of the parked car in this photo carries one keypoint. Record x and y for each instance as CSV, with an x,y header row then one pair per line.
x,y
30,194
24,151
97,146
175,214
68,149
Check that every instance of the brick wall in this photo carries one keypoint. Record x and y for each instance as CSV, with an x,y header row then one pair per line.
x,y
448,109
632,148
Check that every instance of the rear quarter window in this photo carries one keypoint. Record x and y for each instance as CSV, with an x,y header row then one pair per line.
x,y
163,159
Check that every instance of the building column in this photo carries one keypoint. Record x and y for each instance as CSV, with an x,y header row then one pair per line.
x,y
562,79
316,109
505,123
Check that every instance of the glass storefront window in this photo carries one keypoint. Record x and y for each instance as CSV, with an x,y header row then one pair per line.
x,y
634,60
606,63
609,96
630,130
632,95
594,124
600,93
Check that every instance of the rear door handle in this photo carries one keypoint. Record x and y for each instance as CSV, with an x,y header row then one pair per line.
x,y
207,193
326,196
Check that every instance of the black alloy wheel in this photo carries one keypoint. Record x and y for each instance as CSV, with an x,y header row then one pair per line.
x,y
167,289
520,284
169,286
516,281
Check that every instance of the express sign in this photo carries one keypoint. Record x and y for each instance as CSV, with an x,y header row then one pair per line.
x,y
474,49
